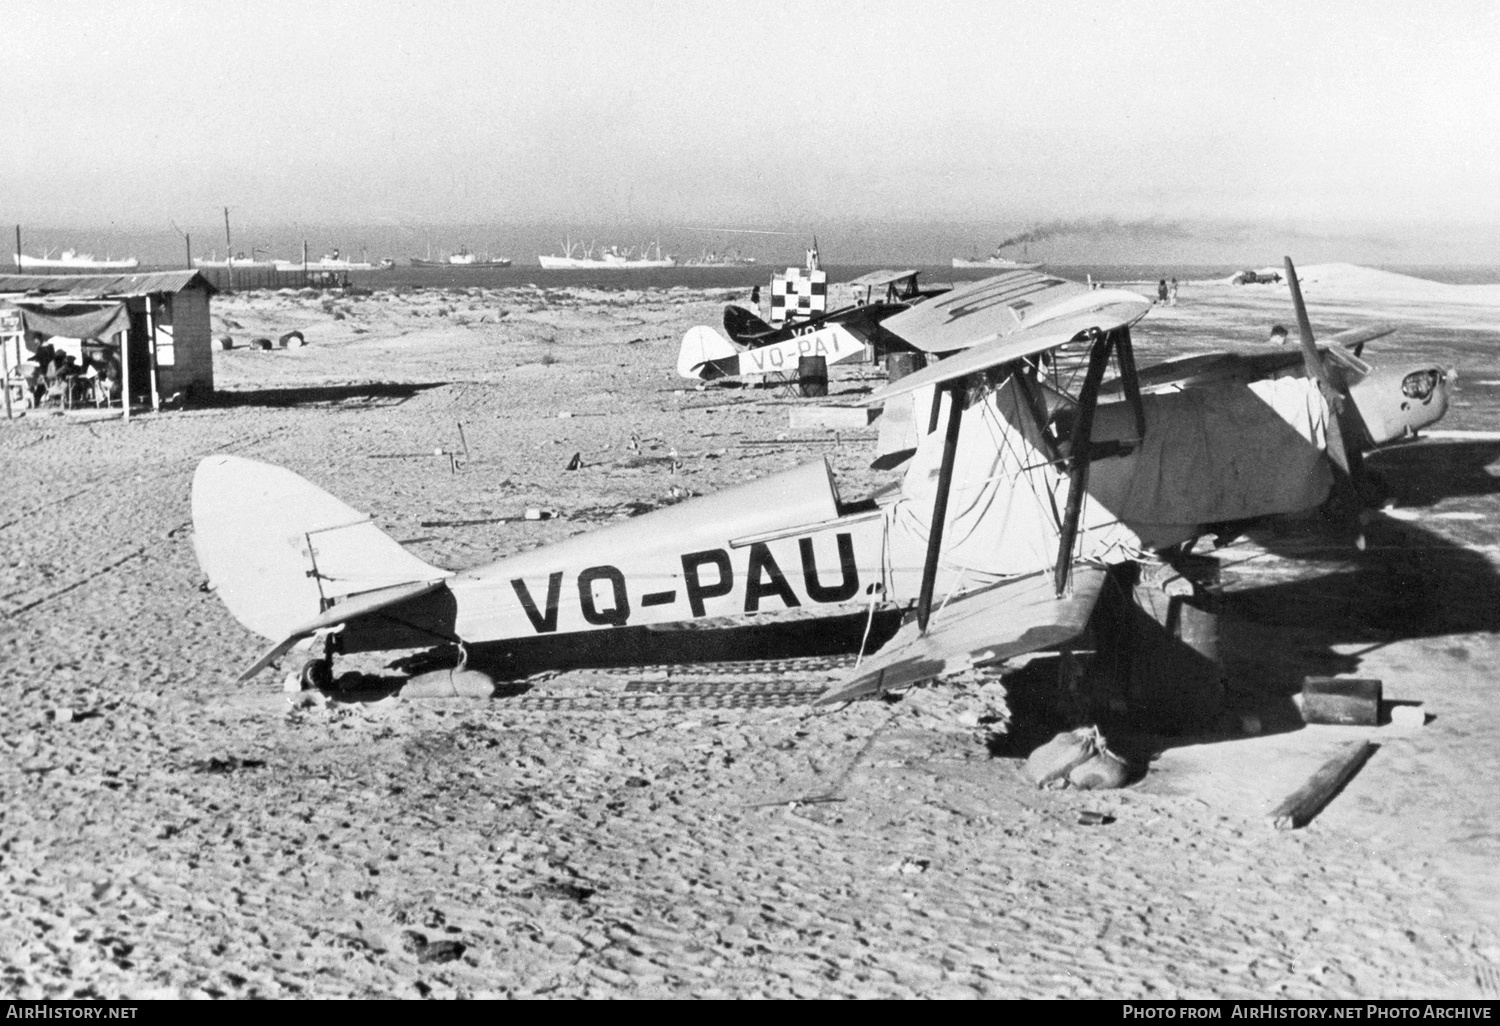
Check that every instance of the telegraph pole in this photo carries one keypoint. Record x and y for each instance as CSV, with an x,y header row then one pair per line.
x,y
228,252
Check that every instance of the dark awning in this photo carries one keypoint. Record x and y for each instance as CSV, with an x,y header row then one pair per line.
x,y
73,320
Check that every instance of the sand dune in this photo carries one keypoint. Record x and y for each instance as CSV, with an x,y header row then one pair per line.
x,y
1344,280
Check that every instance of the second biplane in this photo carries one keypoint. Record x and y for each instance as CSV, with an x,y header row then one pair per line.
x,y
755,347
1027,489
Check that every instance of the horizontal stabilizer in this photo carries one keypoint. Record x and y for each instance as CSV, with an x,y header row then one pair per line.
x,y
1118,310
999,622
1359,336
353,609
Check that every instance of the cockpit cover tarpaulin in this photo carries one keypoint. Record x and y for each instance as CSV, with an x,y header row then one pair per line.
x,y
73,320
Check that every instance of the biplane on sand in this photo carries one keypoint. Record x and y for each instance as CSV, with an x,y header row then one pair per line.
x,y
755,347
1033,488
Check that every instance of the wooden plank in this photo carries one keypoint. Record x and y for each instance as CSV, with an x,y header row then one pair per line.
x,y
1307,801
832,417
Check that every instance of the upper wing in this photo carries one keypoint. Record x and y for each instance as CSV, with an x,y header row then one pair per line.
x,y
1359,336
749,330
1216,368
996,307
1208,369
875,279
1104,309
998,622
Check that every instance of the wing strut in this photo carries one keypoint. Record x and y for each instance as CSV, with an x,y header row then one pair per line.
x,y
1125,357
956,393
1078,456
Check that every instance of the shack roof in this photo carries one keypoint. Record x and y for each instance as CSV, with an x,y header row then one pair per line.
x,y
877,278
102,286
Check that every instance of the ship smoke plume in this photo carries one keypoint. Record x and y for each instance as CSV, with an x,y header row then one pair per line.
x,y
1099,227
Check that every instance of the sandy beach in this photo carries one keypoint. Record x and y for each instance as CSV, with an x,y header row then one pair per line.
x,y
700,830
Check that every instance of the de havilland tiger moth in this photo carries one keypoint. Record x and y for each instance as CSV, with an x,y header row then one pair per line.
x,y
755,347
1030,482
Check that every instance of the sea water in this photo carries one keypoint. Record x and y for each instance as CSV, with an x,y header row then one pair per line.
x,y
749,276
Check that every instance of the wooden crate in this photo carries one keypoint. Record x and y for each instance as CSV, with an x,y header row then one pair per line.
x,y
1349,701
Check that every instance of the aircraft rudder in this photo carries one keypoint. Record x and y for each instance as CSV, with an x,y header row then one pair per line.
x,y
278,550
702,345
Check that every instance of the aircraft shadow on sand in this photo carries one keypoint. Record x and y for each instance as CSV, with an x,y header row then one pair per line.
x,y
1287,611
383,393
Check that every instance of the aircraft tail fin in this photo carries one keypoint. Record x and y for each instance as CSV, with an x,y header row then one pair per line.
x,y
280,551
700,347
743,325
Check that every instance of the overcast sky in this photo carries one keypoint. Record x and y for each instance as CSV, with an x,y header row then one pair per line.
x,y
759,114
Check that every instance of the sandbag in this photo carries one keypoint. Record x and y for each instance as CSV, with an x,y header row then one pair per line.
x,y
454,683
1053,761
1103,772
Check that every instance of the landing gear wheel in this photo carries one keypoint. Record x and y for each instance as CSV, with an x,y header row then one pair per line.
x,y
317,675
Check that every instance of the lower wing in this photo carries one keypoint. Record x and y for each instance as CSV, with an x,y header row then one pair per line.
x,y
994,623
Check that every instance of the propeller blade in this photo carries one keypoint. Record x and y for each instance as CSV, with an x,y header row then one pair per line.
x,y
1343,452
1311,359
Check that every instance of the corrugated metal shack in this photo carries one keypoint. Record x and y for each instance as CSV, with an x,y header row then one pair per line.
x,y
157,322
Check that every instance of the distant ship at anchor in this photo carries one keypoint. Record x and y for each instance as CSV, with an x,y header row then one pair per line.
x,y
611,258
729,259
238,260
71,259
995,260
333,262
463,258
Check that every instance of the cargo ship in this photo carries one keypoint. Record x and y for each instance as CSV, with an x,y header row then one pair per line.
x,y
463,258
72,260
577,257
997,262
